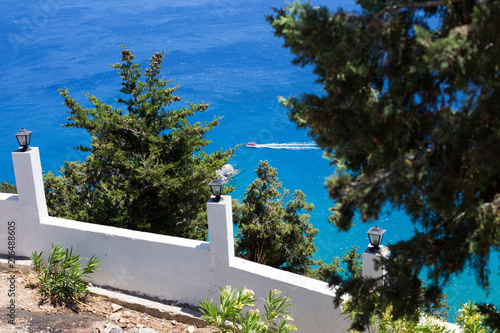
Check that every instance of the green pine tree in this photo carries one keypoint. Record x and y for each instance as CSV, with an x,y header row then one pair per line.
x,y
146,168
7,188
272,230
410,117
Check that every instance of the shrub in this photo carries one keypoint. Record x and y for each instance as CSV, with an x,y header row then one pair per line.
x,y
229,315
7,188
472,320
61,279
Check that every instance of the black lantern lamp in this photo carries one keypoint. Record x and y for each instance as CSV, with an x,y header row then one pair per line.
x,y
375,235
24,138
216,185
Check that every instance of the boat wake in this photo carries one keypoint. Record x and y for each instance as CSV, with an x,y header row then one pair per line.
x,y
290,145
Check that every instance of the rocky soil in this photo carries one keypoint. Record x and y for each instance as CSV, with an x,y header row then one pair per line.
x,y
93,314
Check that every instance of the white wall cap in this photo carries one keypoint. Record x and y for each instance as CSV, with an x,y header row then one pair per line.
x,y
125,233
282,276
9,197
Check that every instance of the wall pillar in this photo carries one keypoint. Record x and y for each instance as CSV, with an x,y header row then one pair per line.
x,y
220,228
29,180
31,205
371,261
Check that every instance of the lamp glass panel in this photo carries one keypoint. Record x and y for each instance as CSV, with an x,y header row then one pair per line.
x,y
374,239
216,190
22,140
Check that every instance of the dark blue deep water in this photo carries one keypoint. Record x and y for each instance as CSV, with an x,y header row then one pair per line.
x,y
222,52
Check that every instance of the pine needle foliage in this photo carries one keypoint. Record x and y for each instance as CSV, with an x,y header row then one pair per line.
x,y
272,230
146,168
7,188
410,118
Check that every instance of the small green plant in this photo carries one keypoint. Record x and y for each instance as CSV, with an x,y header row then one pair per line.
x,y
229,315
61,279
383,322
472,320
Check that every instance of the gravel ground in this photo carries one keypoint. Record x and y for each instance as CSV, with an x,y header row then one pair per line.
x,y
93,314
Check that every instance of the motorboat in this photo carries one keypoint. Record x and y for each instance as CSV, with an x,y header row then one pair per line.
x,y
251,144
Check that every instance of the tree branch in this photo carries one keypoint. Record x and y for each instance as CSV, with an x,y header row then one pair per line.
x,y
418,5
430,3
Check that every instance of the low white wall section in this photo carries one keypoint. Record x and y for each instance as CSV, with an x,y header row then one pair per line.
x,y
163,266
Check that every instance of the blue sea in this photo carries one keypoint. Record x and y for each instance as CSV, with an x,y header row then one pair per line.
x,y
223,52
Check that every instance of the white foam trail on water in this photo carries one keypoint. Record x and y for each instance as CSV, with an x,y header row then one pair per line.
x,y
289,145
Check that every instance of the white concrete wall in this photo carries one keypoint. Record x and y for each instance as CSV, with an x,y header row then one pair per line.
x,y
163,266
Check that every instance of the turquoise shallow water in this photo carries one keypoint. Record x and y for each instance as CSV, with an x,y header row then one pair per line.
x,y
221,52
